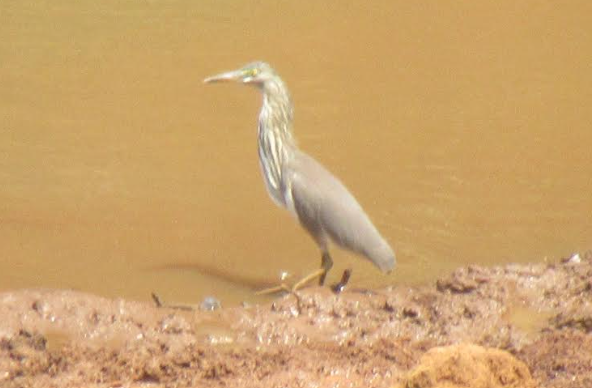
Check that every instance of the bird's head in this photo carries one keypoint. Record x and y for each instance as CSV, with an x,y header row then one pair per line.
x,y
256,73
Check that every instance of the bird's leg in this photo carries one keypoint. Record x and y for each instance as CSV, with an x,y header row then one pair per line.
x,y
273,290
326,264
340,286
281,287
321,273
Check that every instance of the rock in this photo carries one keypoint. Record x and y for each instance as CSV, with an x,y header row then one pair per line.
x,y
468,366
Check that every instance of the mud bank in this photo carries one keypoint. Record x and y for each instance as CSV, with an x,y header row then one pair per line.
x,y
540,316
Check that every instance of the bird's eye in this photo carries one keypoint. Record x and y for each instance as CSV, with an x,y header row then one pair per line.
x,y
252,72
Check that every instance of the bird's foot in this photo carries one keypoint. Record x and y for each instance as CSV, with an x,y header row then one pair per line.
x,y
340,286
283,287
319,273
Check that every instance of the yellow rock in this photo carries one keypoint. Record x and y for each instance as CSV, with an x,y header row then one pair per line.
x,y
468,366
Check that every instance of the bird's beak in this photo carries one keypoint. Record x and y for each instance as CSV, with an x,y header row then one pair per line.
x,y
234,75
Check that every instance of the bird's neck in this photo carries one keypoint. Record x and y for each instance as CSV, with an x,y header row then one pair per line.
x,y
275,122
275,138
277,113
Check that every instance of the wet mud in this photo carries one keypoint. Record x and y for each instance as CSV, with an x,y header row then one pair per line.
x,y
509,326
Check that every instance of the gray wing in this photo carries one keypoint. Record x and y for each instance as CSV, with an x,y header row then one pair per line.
x,y
325,207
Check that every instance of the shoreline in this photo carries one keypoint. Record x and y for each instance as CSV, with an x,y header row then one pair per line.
x,y
540,315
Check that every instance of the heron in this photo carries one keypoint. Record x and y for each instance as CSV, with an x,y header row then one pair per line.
x,y
295,181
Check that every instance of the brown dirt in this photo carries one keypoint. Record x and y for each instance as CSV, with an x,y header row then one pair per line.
x,y
399,336
469,366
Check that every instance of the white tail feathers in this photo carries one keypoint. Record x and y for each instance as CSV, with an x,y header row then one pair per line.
x,y
383,257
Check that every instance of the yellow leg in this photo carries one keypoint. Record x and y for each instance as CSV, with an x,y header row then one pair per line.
x,y
326,264
321,273
273,290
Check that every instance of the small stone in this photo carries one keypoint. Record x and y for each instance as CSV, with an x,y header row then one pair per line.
x,y
210,304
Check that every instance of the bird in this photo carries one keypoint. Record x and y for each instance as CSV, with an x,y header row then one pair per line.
x,y
321,203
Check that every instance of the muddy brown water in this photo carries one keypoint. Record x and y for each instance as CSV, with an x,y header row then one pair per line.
x,y
464,129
